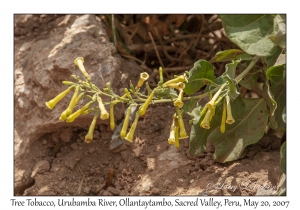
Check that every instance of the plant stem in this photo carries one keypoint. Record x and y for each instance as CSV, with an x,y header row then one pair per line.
x,y
243,74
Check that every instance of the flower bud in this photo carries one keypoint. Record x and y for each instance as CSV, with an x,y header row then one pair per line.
x,y
211,103
146,104
171,139
79,62
73,116
129,136
178,102
51,104
90,135
72,102
182,131
229,119
103,113
178,85
222,128
181,78
176,133
206,121
111,116
125,123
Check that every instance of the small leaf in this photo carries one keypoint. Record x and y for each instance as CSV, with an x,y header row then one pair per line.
x,y
229,76
279,34
251,33
201,73
271,60
280,60
276,73
227,55
248,129
269,98
283,158
190,106
279,92
250,80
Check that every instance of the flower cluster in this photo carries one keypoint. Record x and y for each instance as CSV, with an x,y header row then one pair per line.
x,y
209,109
132,96
82,88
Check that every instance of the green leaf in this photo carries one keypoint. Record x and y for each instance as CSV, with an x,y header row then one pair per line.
x,y
229,76
227,55
276,73
283,157
199,75
269,98
279,33
250,80
248,129
190,106
279,92
199,135
271,60
251,33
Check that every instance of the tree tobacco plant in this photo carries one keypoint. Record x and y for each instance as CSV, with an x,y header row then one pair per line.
x,y
229,120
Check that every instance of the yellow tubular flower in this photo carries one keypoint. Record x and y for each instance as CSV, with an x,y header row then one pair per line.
x,y
125,123
79,62
79,97
181,78
211,103
51,104
146,104
72,102
203,111
178,85
68,83
229,119
90,135
176,134
222,128
129,136
182,131
178,102
143,77
73,116
111,116
171,139
103,113
206,121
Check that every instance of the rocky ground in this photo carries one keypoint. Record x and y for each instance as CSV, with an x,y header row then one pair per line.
x,y
51,157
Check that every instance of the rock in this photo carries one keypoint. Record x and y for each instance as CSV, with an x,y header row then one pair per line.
x,y
42,64
40,167
66,134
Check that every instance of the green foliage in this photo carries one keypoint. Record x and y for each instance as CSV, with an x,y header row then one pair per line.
x,y
253,33
201,74
228,120
248,128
